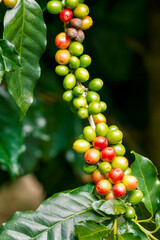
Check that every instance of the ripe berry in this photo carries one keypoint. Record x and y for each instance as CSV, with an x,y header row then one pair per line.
x,y
108,154
54,7
81,11
116,175
83,113
61,70
82,74
66,15
97,176
76,48
96,84
130,213
103,187
79,102
85,60
102,129
130,182
81,146
110,195
74,62
114,136
119,190
75,23
135,197
89,168
62,57
105,167
92,156
71,32
62,41
80,36
100,143
120,162
69,81
89,133
71,3
94,108
10,3
99,118
87,22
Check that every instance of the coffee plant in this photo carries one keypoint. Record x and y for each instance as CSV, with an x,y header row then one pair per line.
x,y
114,205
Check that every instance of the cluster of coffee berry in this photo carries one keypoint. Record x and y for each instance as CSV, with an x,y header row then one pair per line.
x,y
102,145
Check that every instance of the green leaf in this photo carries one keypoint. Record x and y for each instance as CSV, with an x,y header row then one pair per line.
x,y
113,207
42,4
25,28
2,67
10,56
96,206
54,219
131,227
11,139
146,173
91,230
128,236
157,217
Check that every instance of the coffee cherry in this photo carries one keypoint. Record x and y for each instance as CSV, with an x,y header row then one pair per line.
x,y
105,167
103,106
102,129
62,57
92,156
98,176
108,154
85,60
10,3
130,213
89,168
119,190
99,118
116,175
130,182
92,97
82,74
87,22
120,162
71,3
79,102
80,36
81,146
76,48
69,82
54,7
96,84
75,23
61,70
74,62
100,143
128,171
83,113
94,108
68,96
62,41
71,32
135,197
81,11
110,195
103,187
114,136
89,133
66,15
120,149
78,91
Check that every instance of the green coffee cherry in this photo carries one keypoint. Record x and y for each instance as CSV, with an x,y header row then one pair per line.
x,y
89,133
68,96
120,149
105,167
85,61
92,97
78,91
76,48
81,11
81,146
71,3
54,7
128,171
69,82
102,129
96,84
62,70
94,108
83,113
135,197
82,74
89,169
74,62
103,106
114,136
113,127
79,102
130,213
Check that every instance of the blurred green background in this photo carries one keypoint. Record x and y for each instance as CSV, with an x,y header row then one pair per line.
x,y
124,44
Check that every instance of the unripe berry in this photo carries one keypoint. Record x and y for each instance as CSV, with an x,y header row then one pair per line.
x,y
120,149
110,195
85,60
108,154
130,182
119,190
66,15
62,41
100,143
135,197
120,162
82,74
92,97
62,57
99,118
76,48
105,167
94,108
97,176
78,91
89,133
71,3
10,3
114,136
88,169
130,213
102,129
69,81
113,127
128,171
71,32
81,11
54,7
81,146
103,106
92,156
80,36
83,113
74,62
62,70
87,22
103,187
116,175
79,102
68,96
96,84
75,23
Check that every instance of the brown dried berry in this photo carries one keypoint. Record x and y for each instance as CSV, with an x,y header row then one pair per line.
x,y
71,32
75,22
80,36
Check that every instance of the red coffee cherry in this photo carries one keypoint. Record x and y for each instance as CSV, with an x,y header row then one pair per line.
x,y
130,182
66,15
108,154
116,175
103,187
100,143
119,190
97,176
62,41
110,195
92,156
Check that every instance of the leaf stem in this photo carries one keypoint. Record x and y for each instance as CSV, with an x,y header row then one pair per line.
x,y
154,231
145,220
115,229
